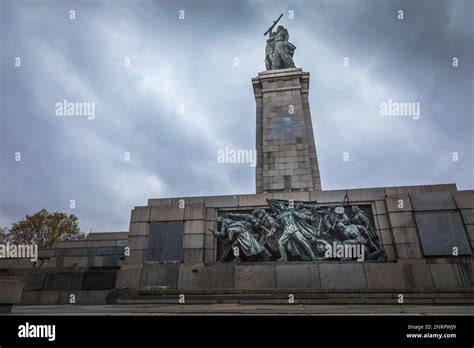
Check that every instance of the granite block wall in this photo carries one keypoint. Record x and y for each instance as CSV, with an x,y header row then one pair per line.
x,y
72,266
418,227
426,231
286,150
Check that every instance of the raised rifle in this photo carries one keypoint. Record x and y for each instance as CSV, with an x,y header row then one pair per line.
x,y
273,25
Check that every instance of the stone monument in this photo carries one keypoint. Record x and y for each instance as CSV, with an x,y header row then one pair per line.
x,y
371,243
286,150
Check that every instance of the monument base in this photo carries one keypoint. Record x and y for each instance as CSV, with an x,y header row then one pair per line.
x,y
427,233
411,222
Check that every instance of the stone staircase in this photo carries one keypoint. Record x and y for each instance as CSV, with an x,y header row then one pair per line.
x,y
452,296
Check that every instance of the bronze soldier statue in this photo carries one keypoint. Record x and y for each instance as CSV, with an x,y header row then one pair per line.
x,y
278,50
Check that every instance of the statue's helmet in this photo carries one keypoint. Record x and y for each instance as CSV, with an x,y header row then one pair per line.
x,y
280,27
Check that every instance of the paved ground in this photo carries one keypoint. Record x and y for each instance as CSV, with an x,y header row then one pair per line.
x,y
241,309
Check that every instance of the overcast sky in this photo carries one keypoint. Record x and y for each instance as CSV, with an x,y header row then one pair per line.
x,y
190,62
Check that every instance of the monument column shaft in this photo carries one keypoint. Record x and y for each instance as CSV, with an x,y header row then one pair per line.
x,y
286,150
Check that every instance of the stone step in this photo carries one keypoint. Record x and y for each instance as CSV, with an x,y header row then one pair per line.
x,y
171,297
261,301
161,291
174,299
281,297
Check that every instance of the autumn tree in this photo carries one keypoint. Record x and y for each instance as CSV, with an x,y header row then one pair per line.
x,y
44,228
3,234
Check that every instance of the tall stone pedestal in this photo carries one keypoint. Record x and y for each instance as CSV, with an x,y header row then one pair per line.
x,y
286,151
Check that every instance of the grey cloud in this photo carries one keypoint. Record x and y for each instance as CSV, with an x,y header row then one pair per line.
x,y
190,62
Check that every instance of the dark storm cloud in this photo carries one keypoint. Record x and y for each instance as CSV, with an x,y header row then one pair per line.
x,y
190,63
